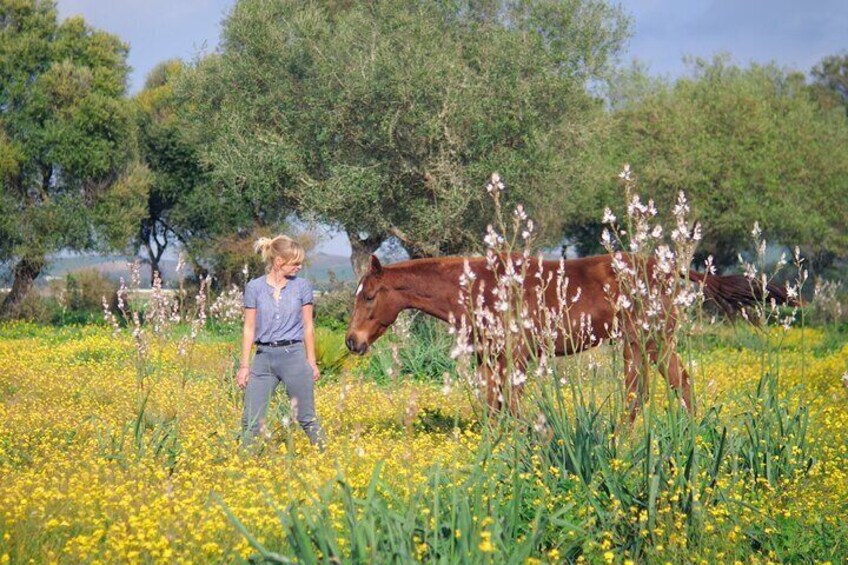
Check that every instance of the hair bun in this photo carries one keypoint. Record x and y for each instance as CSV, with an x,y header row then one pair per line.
x,y
262,245
281,246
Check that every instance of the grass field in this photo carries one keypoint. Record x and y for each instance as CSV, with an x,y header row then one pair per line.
x,y
106,457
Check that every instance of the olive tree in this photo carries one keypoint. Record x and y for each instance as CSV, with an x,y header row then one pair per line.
x,y
66,141
386,119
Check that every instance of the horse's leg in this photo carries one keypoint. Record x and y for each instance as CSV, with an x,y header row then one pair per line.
x,y
500,377
494,390
635,377
514,389
670,366
490,379
668,362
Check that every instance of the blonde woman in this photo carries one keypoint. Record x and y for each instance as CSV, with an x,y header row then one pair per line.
x,y
278,320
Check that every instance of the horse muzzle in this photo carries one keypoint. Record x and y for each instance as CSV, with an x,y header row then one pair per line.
x,y
357,348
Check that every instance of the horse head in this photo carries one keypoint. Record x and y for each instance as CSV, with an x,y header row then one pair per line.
x,y
375,308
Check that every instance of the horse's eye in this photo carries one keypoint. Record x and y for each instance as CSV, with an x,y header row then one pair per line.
x,y
370,298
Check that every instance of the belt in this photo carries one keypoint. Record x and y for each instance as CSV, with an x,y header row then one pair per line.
x,y
279,343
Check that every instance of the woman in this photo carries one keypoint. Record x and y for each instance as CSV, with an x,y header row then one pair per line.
x,y
278,319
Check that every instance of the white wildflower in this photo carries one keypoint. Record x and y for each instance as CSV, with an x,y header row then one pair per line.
x,y
495,184
541,423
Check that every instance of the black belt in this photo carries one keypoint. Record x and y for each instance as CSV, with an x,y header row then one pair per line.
x,y
279,343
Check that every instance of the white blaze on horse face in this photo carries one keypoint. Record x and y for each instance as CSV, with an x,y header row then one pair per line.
x,y
359,289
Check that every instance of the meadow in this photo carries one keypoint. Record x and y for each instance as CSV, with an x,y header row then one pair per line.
x,y
120,436
109,457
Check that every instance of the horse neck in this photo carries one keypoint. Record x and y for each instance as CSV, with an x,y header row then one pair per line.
x,y
431,286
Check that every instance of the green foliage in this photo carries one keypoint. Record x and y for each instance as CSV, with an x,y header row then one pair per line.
x,y
433,97
830,81
582,433
231,254
150,435
75,300
65,137
176,172
485,514
774,447
746,145
334,304
121,210
330,350
84,292
421,351
38,309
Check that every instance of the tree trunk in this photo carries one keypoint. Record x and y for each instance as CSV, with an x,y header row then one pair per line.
x,y
361,250
155,248
153,258
26,271
818,260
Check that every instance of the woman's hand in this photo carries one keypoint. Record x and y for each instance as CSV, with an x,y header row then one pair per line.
x,y
243,376
316,373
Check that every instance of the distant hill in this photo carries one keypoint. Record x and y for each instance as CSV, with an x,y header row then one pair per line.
x,y
317,269
319,265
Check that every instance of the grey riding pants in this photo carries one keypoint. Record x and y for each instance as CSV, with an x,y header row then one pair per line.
x,y
272,366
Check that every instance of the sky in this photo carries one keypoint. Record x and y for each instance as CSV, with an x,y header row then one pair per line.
x,y
795,34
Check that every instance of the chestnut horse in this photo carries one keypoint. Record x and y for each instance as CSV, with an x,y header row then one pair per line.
x,y
433,286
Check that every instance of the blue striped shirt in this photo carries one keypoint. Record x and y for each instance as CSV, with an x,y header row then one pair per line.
x,y
282,318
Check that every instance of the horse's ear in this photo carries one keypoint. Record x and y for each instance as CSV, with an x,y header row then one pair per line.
x,y
376,267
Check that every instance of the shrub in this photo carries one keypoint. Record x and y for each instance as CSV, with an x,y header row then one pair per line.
x,y
85,289
827,304
334,303
330,350
39,308
417,346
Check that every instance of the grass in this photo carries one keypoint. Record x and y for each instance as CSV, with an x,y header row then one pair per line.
x,y
411,474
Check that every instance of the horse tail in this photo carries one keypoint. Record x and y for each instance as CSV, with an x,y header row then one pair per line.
x,y
735,292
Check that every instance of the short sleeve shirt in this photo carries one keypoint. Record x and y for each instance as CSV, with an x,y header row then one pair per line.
x,y
282,318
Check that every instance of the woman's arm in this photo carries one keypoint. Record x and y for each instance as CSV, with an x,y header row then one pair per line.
x,y
247,335
309,339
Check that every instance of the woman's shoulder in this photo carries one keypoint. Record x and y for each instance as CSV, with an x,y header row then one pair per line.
x,y
299,283
255,282
303,282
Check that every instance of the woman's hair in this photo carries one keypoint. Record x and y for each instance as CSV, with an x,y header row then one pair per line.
x,y
281,246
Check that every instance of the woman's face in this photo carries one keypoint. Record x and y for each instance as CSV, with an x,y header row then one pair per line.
x,y
286,269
